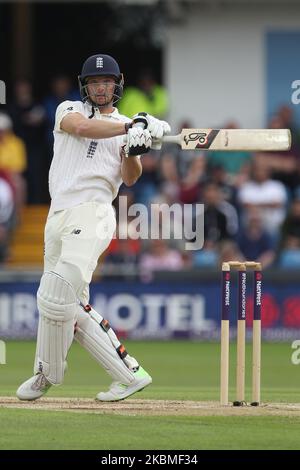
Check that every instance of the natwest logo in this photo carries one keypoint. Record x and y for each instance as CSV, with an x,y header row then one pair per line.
x,y
258,292
227,292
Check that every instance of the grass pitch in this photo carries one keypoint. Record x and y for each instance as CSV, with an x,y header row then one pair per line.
x,y
178,411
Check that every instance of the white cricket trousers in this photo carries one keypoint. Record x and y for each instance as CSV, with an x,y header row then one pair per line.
x,y
75,238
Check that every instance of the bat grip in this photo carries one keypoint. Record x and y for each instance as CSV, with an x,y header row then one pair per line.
x,y
169,139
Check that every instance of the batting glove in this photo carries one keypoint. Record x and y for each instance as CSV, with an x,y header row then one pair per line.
x,y
138,141
156,127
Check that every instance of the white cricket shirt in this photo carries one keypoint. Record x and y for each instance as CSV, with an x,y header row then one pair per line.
x,y
84,169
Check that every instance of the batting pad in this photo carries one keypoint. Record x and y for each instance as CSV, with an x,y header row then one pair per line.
x,y
96,341
130,361
57,305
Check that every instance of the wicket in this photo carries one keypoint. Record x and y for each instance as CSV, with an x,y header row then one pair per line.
x,y
241,267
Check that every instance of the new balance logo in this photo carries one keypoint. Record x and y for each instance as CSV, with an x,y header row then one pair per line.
x,y
99,62
76,231
92,149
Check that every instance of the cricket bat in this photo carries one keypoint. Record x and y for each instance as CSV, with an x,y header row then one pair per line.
x,y
232,139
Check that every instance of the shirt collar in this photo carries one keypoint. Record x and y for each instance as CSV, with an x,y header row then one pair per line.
x,y
114,113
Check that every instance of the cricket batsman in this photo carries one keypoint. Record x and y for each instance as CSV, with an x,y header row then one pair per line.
x,y
90,163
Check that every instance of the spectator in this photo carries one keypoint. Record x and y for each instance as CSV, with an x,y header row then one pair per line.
x,y
234,163
207,257
229,251
169,177
61,90
190,185
12,160
254,242
186,170
29,120
148,96
289,258
284,166
122,258
267,195
220,217
148,185
286,116
166,220
159,257
291,224
6,217
218,175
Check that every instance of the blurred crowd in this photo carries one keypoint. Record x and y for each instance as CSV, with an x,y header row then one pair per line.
x,y
251,200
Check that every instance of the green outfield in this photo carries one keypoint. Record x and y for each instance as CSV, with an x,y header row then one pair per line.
x,y
183,372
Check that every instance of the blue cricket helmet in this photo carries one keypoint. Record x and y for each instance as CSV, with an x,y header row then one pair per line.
x,y
100,64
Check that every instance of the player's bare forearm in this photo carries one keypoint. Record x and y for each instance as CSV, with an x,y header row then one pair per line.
x,y
131,170
77,124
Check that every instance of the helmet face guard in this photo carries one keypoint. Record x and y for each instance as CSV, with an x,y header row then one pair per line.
x,y
100,65
87,97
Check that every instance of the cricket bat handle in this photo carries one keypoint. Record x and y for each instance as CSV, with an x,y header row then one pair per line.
x,y
170,139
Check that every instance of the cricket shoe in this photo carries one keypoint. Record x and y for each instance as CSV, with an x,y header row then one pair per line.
x,y
34,388
119,391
